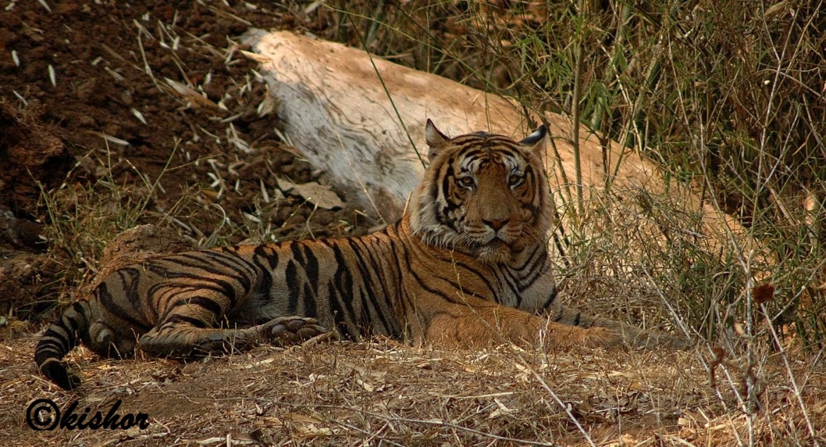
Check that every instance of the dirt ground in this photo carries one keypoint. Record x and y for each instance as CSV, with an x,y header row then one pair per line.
x,y
84,103
86,111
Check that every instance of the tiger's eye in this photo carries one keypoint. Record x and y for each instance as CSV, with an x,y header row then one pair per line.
x,y
515,180
466,182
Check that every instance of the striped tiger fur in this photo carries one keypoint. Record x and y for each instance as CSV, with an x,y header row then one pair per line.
x,y
466,265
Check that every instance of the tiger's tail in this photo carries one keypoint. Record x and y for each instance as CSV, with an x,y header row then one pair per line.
x,y
60,338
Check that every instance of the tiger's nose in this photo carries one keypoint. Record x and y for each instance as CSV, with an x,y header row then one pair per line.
x,y
496,224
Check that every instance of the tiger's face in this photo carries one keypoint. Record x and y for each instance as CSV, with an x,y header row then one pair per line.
x,y
485,195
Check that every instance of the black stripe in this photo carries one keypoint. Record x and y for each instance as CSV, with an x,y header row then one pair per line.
x,y
235,267
310,306
211,262
446,183
52,333
107,301
434,191
177,319
236,264
50,344
513,283
343,286
309,301
550,299
339,317
401,264
264,284
295,249
206,303
268,254
472,152
309,296
374,302
224,286
129,281
303,254
534,273
174,301
291,276
472,270
364,319
80,314
60,346
383,275
195,260
434,291
529,260
311,267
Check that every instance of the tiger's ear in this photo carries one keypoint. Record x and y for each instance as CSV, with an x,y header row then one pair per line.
x,y
436,140
535,142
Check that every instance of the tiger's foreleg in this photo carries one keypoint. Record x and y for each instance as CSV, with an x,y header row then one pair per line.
x,y
187,339
488,324
631,335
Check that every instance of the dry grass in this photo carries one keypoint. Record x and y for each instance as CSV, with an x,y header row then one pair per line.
x,y
390,394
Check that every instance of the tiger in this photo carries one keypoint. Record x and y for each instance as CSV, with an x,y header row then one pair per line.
x,y
467,265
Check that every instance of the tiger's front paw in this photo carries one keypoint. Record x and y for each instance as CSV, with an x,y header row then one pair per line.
x,y
291,330
602,337
573,336
648,340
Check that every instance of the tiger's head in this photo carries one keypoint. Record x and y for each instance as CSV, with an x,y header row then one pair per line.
x,y
485,195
